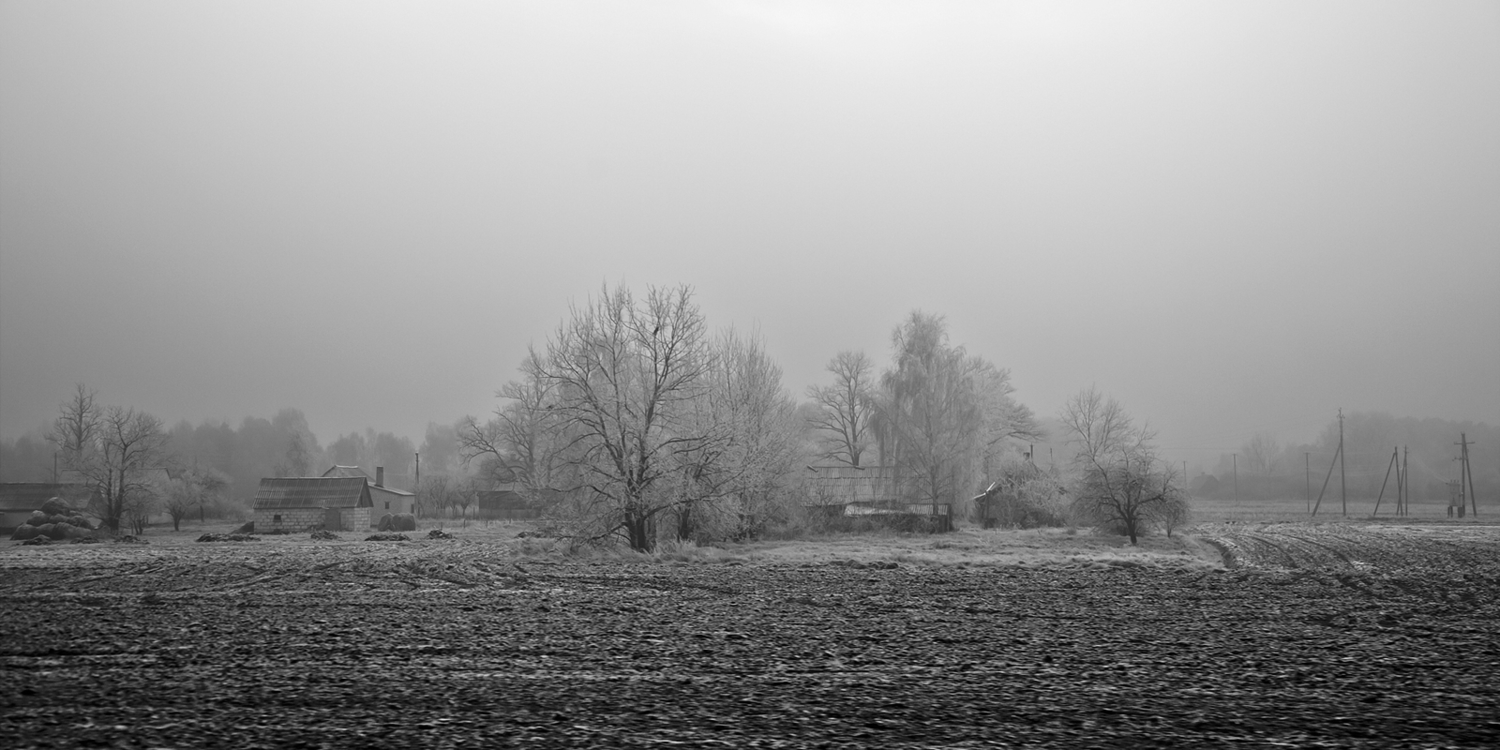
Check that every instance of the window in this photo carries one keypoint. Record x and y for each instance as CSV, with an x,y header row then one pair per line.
x,y
387,505
276,518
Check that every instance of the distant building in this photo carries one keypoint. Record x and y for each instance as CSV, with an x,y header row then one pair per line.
x,y
386,499
506,501
18,500
303,503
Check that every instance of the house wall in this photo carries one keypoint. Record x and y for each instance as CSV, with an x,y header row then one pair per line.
x,y
389,502
306,519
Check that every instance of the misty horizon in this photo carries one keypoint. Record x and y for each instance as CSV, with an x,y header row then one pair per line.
x,y
1237,219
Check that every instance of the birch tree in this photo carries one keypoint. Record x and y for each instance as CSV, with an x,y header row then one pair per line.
x,y
940,412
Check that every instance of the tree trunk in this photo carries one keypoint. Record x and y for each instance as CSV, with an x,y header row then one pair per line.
x,y
638,527
685,523
176,523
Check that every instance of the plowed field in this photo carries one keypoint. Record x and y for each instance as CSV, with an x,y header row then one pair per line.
x,y
1310,636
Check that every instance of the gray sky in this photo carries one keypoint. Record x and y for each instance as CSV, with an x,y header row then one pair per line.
x,y
1232,216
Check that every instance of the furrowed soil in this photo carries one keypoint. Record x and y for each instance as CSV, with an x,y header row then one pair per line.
x,y
1276,635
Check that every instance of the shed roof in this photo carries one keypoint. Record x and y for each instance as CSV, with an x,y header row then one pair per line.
x,y
29,496
313,492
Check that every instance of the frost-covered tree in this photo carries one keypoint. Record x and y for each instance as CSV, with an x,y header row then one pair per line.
x,y
1119,480
942,414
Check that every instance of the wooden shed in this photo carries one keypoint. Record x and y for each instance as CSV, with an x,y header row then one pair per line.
x,y
303,503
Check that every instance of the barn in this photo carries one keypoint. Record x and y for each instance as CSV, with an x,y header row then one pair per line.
x,y
302,503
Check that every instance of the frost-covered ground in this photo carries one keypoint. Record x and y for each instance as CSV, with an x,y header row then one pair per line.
x,y
1310,635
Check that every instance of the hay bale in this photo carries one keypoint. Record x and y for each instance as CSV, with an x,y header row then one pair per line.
x,y
69,531
385,523
78,520
57,507
50,530
403,522
24,532
59,518
37,518
246,528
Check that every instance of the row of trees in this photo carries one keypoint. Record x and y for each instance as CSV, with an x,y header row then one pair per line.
x,y
636,420
635,414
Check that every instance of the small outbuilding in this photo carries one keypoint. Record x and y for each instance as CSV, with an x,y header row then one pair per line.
x,y
386,499
294,504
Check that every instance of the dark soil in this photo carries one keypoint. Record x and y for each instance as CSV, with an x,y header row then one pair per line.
x,y
450,645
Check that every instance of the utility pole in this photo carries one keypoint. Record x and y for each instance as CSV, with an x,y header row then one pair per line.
x,y
1405,485
1307,459
1395,464
1338,458
1236,458
1343,493
1465,474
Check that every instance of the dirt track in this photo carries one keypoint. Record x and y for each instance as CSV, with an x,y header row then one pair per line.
x,y
453,644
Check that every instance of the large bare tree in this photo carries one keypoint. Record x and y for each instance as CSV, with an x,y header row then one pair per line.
x,y
625,373
1119,480
845,407
112,448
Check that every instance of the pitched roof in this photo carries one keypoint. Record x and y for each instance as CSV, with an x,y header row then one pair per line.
x,y
346,471
391,490
28,496
313,492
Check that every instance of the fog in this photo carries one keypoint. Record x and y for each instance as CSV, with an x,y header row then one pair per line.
x,y
1234,217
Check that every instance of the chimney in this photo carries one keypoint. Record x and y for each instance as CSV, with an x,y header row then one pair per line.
x,y
379,476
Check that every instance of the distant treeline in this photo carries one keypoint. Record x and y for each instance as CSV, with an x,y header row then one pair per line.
x,y
283,445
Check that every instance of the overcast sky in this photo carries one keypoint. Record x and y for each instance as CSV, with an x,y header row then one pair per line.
x,y
1235,217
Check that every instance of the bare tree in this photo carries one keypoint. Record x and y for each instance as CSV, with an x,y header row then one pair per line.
x,y
112,448
1261,454
624,373
527,440
845,407
194,488
1119,481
